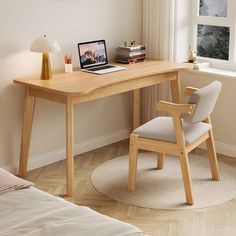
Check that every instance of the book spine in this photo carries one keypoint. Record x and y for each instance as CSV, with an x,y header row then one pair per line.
x,y
137,52
127,61
129,54
130,62
131,57
142,47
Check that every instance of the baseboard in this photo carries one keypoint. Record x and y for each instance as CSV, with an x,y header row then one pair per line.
x,y
223,148
88,145
79,148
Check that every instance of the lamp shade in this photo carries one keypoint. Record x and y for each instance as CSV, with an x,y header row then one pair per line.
x,y
45,44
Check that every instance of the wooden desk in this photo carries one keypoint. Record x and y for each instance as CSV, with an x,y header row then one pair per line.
x,y
78,87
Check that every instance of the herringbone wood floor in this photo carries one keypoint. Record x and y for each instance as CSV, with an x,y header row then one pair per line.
x,y
214,221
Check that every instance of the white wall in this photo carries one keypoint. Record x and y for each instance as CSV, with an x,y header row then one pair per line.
x,y
69,22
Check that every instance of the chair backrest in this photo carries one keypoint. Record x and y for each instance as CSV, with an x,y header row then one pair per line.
x,y
205,100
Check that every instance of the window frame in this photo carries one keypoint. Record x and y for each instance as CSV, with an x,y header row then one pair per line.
x,y
229,21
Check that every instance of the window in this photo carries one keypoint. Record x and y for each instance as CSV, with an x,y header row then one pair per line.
x,y
213,24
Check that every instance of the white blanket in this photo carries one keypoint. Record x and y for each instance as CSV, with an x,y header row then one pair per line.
x,y
31,212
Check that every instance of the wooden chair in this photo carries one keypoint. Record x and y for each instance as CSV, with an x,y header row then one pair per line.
x,y
189,126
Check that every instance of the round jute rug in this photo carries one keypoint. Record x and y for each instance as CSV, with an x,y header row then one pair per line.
x,y
163,189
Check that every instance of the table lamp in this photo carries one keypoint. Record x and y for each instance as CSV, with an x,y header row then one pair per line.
x,y
45,45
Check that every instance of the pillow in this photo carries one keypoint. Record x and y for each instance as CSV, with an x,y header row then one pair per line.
x,y
9,182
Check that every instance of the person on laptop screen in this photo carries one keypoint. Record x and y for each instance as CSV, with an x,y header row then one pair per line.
x,y
93,58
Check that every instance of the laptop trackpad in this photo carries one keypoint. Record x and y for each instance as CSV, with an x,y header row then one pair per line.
x,y
101,68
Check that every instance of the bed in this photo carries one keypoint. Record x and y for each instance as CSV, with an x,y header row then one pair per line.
x,y
32,212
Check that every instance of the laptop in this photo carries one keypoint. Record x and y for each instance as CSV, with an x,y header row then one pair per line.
x,y
93,58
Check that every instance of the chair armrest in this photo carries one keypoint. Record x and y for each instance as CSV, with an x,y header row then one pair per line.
x,y
189,90
175,108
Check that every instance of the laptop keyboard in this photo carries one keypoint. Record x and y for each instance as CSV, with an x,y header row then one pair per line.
x,y
101,68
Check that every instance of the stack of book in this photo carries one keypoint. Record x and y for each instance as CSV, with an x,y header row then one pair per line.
x,y
131,54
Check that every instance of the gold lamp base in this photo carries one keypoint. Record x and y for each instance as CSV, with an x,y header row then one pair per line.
x,y
46,73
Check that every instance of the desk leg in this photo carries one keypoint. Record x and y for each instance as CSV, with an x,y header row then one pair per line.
x,y
69,146
136,108
29,104
175,89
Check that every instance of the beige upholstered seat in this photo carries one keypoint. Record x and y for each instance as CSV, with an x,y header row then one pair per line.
x,y
188,127
162,128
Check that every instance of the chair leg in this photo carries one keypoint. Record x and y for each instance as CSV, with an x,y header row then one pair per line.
x,y
133,153
212,156
160,160
186,178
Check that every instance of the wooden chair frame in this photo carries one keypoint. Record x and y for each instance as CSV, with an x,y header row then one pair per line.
x,y
179,148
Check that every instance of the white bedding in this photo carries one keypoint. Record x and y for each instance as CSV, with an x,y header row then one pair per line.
x,y
31,212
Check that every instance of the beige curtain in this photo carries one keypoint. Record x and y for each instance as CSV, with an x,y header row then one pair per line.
x,y
158,36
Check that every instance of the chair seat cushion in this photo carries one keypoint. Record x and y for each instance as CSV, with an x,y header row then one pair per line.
x,y
162,128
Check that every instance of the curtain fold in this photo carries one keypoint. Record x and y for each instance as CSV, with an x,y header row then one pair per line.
x,y
158,37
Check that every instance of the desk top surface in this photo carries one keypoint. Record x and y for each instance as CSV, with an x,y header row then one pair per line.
x,y
80,82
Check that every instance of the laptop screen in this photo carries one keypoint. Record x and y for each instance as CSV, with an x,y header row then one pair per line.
x,y
92,54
